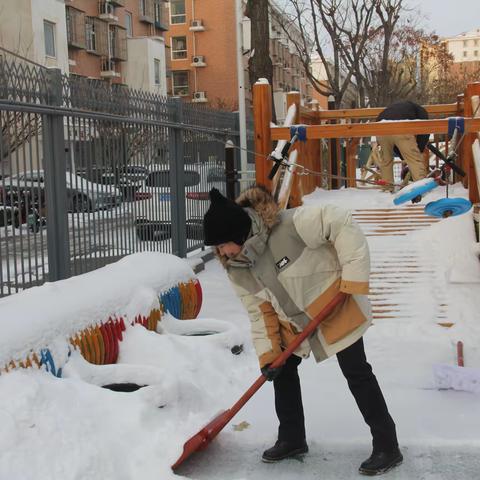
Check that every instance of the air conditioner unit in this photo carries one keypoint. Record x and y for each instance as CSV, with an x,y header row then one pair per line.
x,y
200,97
197,26
198,61
107,12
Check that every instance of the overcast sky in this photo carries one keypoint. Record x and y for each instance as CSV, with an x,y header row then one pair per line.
x,y
449,17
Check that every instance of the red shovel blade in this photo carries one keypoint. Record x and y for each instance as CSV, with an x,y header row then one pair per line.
x,y
201,439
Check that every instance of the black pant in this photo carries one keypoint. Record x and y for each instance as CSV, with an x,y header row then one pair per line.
x,y
362,384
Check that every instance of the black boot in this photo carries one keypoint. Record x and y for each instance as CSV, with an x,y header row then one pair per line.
x,y
283,449
381,462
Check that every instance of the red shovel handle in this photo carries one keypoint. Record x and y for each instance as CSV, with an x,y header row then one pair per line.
x,y
201,440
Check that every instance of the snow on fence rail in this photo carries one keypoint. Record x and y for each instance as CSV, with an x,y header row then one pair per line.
x,y
40,326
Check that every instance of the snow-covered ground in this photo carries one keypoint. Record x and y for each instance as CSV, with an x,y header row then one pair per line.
x,y
70,428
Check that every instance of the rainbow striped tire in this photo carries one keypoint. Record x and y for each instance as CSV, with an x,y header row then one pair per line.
x,y
448,207
420,187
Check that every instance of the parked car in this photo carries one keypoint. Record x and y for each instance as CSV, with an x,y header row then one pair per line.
x,y
82,195
153,213
128,178
21,205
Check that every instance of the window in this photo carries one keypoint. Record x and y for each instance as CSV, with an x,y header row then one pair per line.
x,y
49,34
177,11
129,24
90,38
156,70
179,48
157,11
464,53
475,53
180,83
465,43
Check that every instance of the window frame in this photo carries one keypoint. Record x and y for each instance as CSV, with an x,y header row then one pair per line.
x,y
177,16
157,68
129,24
182,51
53,31
90,35
185,87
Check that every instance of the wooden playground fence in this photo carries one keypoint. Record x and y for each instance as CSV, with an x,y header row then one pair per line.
x,y
328,130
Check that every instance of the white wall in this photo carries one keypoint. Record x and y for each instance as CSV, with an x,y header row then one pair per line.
x,y
139,70
21,30
457,48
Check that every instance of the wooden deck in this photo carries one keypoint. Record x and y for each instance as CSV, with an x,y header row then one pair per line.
x,y
402,278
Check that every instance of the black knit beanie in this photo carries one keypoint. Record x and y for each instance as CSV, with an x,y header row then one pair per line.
x,y
225,221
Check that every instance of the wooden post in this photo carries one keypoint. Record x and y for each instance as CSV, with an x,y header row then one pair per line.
x,y
460,161
467,153
262,116
351,159
297,187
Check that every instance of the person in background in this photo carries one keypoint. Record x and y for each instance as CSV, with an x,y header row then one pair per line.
x,y
285,266
408,147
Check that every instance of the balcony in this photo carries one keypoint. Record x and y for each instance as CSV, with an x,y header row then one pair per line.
x,y
162,20
106,11
147,11
118,3
75,20
118,42
96,36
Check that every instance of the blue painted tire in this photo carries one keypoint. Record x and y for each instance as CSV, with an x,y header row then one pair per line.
x,y
448,207
404,196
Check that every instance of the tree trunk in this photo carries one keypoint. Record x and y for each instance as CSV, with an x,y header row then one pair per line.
x,y
260,64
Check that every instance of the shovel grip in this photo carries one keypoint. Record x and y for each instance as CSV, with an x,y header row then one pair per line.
x,y
308,330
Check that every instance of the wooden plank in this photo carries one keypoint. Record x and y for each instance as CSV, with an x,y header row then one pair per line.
x,y
449,109
408,127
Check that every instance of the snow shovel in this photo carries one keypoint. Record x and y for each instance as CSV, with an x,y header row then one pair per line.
x,y
202,439
457,377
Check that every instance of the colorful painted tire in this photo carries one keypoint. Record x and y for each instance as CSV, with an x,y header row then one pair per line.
x,y
420,187
448,207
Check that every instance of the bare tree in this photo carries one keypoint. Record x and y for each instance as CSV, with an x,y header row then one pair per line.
x,y
335,30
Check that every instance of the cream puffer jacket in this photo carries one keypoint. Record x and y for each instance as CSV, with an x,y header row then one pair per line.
x,y
292,265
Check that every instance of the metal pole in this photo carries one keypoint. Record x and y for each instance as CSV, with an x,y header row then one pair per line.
x,y
333,148
241,86
177,183
230,171
55,173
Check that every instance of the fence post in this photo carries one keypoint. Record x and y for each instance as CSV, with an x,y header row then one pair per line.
x,y
55,175
262,113
230,172
177,181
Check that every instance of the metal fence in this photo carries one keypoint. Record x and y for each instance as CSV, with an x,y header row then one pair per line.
x,y
91,172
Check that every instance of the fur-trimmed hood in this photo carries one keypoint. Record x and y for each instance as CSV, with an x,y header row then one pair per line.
x,y
259,199
263,211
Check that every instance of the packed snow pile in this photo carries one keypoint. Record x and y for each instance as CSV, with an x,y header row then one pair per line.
x,y
72,428
91,310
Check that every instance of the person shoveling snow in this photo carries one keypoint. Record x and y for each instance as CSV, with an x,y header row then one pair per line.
x,y
285,267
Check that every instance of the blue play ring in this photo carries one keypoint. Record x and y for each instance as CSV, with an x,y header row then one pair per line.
x,y
415,192
455,206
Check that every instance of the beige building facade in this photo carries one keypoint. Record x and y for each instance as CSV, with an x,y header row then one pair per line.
x,y
203,51
465,47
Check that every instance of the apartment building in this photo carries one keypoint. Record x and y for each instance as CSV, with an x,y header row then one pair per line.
x,y
35,29
203,48
118,40
465,47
